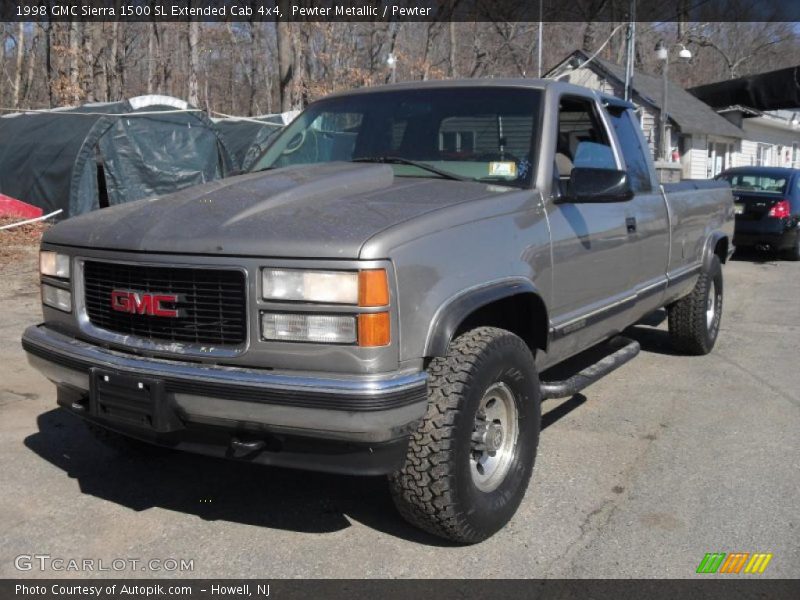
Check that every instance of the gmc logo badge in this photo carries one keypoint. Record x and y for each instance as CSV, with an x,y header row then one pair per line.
x,y
144,303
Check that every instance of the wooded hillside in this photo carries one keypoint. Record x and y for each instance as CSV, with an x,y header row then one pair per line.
x,y
254,68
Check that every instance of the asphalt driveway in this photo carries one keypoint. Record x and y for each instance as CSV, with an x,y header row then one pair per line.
x,y
667,459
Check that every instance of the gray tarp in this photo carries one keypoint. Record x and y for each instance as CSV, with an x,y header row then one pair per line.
x,y
85,158
247,138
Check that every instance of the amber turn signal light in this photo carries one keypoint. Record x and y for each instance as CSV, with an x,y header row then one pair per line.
x,y
373,288
374,329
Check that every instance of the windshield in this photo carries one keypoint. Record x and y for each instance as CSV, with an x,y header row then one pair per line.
x,y
483,134
756,182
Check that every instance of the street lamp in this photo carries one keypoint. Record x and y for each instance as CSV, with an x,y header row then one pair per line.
x,y
391,60
662,54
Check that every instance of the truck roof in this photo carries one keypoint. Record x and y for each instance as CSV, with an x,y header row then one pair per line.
x,y
505,82
774,171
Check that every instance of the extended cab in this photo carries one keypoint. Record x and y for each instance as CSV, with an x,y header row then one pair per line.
x,y
381,294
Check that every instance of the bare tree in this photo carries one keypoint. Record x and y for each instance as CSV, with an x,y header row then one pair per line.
x,y
285,59
31,65
20,53
73,91
152,56
738,44
194,35
256,67
90,92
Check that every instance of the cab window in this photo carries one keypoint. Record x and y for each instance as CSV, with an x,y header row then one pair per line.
x,y
582,139
630,141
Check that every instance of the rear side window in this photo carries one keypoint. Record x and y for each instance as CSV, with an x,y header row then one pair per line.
x,y
626,128
582,138
756,182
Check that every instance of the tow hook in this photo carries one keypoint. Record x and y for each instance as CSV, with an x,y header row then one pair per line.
x,y
242,448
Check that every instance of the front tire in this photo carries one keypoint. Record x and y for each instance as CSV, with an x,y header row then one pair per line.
x,y
694,319
469,463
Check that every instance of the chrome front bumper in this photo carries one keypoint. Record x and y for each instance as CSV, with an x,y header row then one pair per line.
x,y
375,408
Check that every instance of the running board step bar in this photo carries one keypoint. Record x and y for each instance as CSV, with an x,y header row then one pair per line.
x,y
624,350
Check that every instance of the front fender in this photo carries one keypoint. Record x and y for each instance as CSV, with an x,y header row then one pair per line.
x,y
453,312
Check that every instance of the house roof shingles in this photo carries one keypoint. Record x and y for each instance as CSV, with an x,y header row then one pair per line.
x,y
691,115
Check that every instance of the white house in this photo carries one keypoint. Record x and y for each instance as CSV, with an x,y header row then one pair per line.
x,y
772,139
702,141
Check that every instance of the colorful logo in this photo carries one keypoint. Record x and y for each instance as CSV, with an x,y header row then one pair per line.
x,y
734,563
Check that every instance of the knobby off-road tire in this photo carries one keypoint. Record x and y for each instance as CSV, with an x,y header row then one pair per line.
x,y
124,445
694,319
451,484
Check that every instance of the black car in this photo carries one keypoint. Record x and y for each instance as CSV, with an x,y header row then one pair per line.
x,y
767,203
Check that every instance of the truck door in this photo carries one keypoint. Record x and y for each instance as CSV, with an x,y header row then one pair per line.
x,y
650,217
594,265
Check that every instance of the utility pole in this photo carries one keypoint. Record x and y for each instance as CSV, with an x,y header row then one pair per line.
x,y
662,54
664,154
539,43
630,50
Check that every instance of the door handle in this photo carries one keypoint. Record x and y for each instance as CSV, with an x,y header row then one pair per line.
x,y
630,224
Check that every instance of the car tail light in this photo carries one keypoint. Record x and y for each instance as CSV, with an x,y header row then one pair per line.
x,y
780,210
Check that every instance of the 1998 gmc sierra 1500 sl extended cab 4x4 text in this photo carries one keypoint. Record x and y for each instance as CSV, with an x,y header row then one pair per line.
x,y
380,296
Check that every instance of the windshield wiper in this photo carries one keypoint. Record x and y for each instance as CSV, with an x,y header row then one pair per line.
x,y
396,160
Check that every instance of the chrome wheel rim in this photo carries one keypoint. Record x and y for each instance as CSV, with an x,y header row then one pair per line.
x,y
494,437
711,305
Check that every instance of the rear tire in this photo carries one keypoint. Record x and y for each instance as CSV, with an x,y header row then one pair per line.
x,y
469,463
694,319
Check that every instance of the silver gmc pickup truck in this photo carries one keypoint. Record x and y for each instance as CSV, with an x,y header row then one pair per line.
x,y
380,295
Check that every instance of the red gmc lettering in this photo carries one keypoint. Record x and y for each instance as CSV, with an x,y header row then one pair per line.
x,y
142,303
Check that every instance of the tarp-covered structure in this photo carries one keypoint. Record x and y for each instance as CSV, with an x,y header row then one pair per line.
x,y
247,137
97,155
774,90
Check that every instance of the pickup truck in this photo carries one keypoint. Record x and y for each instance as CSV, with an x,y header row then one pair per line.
x,y
380,295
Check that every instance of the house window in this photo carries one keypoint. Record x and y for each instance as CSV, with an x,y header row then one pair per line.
x,y
719,158
764,155
457,141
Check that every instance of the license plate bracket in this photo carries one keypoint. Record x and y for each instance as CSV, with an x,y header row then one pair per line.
x,y
131,399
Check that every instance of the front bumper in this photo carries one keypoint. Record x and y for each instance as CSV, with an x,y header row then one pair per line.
x,y
356,424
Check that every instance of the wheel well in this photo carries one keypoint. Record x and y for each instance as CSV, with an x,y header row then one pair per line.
x,y
721,250
524,315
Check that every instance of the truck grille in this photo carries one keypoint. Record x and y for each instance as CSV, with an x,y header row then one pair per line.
x,y
212,305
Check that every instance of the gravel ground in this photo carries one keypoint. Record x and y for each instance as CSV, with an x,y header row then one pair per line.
x,y
668,458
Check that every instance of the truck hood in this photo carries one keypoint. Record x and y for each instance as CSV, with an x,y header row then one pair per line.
x,y
319,211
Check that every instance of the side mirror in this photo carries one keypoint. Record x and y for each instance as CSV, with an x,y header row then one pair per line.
x,y
598,185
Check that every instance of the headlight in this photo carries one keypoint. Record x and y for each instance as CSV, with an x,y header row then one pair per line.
x,y
56,297
330,329
54,264
331,287
363,288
